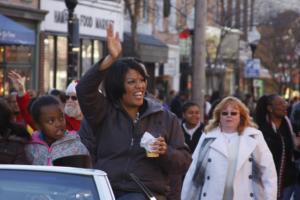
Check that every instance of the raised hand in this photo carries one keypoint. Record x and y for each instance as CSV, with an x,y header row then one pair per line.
x,y
18,82
114,48
113,42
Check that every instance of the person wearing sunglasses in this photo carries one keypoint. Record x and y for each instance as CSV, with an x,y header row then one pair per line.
x,y
72,109
232,160
120,115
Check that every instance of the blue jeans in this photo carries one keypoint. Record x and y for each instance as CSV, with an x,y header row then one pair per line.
x,y
132,196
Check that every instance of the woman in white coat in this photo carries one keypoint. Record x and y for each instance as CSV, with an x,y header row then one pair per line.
x,y
232,160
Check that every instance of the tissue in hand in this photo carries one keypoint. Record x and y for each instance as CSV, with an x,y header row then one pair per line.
x,y
146,142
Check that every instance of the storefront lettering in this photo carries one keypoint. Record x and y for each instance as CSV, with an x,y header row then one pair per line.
x,y
103,23
60,17
6,34
86,21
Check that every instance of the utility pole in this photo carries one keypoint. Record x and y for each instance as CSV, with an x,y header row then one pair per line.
x,y
199,54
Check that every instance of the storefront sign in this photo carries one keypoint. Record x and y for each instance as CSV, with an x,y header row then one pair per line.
x,y
11,32
84,20
93,21
6,35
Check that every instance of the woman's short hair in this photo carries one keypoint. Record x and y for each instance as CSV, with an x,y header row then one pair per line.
x,y
115,77
245,118
35,109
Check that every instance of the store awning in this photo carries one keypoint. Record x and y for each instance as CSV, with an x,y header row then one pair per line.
x,y
12,32
151,49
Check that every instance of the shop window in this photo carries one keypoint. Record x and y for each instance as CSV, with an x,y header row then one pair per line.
x,y
91,52
49,63
18,58
61,74
19,54
86,55
1,81
98,51
1,54
55,64
5,85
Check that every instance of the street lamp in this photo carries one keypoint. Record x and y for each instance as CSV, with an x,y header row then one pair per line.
x,y
253,40
73,41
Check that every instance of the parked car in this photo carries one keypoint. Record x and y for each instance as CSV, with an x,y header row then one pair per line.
x,y
32,182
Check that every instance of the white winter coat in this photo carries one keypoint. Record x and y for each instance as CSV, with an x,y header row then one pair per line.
x,y
252,146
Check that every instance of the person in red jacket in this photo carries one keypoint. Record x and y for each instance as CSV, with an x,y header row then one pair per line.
x,y
20,100
72,109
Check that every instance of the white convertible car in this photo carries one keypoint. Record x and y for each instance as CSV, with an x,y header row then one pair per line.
x,y
31,182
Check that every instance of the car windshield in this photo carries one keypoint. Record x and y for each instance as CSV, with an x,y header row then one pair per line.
x,y
39,185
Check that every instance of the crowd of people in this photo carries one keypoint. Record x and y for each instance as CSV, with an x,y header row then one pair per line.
x,y
238,151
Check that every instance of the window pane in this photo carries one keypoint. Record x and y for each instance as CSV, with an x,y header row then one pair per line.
x,y
1,81
49,63
1,71
1,54
19,54
61,75
18,58
98,50
86,55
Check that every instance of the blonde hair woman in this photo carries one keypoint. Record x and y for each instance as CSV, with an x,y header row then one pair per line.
x,y
232,160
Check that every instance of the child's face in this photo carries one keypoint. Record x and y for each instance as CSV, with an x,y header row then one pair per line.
x,y
192,115
52,123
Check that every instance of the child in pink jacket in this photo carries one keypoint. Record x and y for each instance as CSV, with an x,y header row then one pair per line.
x,y
52,140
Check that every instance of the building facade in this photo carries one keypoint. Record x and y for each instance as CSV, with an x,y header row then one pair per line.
x,y
94,17
19,41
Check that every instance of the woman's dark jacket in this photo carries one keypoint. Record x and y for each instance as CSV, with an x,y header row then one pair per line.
x,y
13,139
118,150
192,142
281,146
